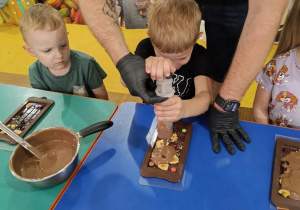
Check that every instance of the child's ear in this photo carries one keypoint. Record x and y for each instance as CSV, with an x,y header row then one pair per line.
x,y
28,49
200,34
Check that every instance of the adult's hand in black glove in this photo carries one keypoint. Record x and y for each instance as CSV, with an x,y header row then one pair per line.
x,y
132,70
226,126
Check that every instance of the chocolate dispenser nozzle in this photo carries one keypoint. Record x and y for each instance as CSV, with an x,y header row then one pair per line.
x,y
164,89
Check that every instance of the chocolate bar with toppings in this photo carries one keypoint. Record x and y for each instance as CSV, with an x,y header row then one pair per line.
x,y
286,174
25,116
166,158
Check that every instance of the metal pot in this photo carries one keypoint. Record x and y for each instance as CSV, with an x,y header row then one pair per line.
x,y
44,136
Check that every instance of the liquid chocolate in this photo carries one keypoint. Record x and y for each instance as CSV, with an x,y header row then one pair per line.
x,y
164,131
58,154
163,154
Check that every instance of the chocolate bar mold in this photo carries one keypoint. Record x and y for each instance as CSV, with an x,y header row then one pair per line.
x,y
25,116
283,147
184,132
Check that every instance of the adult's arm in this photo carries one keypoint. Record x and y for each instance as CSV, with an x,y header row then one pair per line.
x,y
102,20
256,40
100,16
257,37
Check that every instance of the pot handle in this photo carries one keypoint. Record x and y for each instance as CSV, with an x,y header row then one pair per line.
x,y
99,126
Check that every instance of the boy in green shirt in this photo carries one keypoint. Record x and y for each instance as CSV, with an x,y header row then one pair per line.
x,y
58,68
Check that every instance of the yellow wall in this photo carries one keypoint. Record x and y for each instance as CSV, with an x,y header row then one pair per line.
x,y
14,59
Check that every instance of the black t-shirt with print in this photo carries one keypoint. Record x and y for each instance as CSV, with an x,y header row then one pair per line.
x,y
183,79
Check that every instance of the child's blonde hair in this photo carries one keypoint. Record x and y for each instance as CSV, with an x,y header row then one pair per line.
x,y
290,35
173,25
40,17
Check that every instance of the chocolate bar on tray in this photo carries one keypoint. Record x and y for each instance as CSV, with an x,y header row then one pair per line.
x,y
166,158
25,116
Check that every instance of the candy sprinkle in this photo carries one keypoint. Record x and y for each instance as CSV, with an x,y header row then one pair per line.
x,y
173,169
183,130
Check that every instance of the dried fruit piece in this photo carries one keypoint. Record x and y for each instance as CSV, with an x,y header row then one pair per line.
x,y
284,193
175,160
174,137
163,166
28,105
159,143
18,132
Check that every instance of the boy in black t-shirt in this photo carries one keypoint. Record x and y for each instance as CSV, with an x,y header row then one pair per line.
x,y
173,29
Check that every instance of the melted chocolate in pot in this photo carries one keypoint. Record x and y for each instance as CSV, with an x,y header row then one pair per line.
x,y
58,154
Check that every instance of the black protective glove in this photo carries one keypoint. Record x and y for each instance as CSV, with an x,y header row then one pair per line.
x,y
132,70
225,125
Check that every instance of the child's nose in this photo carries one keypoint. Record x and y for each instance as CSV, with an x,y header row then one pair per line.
x,y
59,54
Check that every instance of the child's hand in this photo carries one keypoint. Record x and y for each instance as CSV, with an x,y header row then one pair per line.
x,y
157,67
169,110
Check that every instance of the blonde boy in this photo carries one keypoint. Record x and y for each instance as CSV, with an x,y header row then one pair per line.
x,y
58,68
173,29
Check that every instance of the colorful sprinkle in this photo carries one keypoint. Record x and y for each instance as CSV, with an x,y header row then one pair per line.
x,y
183,130
173,169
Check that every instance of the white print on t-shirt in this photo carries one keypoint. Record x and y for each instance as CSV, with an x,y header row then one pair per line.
x,y
176,82
80,90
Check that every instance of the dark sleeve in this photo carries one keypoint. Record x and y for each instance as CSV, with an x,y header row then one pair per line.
x,y
145,49
199,56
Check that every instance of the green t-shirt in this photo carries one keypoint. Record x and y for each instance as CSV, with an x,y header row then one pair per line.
x,y
84,75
